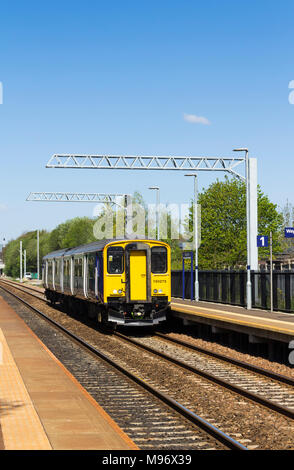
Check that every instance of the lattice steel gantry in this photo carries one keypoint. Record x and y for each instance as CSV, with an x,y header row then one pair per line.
x,y
132,162
182,163
76,197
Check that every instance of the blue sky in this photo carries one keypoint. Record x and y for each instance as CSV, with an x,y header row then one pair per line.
x,y
119,77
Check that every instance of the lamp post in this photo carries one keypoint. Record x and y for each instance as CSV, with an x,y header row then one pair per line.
x,y
3,246
157,189
2,253
20,261
196,233
24,262
38,255
249,295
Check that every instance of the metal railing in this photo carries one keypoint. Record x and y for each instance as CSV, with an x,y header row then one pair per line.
x,y
229,287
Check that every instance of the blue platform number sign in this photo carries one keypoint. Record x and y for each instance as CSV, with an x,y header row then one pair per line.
x,y
289,232
262,241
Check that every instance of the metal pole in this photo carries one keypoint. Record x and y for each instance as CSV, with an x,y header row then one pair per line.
x,y
157,209
157,212
196,236
20,261
38,255
271,270
3,246
24,262
128,216
191,272
183,277
249,294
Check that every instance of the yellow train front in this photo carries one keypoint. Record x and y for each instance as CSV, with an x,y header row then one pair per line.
x,y
120,282
137,281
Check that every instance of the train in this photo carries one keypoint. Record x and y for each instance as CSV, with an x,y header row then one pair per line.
x,y
116,282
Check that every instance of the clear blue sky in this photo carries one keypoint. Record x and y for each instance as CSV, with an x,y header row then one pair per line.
x,y
119,77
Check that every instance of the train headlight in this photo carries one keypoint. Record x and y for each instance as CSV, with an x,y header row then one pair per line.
x,y
114,291
160,291
155,291
120,291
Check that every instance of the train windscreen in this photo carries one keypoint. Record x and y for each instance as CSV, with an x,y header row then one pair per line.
x,y
158,259
115,260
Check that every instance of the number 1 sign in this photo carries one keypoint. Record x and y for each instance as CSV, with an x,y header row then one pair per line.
x,y
262,241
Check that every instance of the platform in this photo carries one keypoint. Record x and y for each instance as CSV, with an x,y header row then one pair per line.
x,y
277,326
42,406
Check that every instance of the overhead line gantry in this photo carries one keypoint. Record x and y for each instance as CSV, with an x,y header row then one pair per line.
x,y
182,163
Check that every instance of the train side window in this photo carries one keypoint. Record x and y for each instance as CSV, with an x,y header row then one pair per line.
x,y
115,260
57,270
66,273
91,271
158,260
78,273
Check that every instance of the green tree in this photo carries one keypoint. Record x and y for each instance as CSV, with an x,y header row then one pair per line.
x,y
71,233
288,221
223,224
29,243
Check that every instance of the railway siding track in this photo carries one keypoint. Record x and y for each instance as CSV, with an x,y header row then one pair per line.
x,y
159,428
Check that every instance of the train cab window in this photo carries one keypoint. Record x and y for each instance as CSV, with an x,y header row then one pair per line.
x,y
115,260
158,260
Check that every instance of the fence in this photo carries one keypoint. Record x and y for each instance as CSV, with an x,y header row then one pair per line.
x,y
229,287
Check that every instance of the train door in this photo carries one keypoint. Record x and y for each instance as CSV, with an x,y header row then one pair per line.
x,y
138,262
72,275
49,274
44,274
99,276
138,271
61,274
91,274
53,274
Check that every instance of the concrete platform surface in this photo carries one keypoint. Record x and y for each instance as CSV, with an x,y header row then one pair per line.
x,y
273,325
42,406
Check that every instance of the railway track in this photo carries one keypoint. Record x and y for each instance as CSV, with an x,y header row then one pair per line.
x,y
269,393
275,392
167,423
242,378
25,288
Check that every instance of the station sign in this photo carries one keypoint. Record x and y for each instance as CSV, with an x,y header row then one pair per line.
x,y
187,254
289,232
262,241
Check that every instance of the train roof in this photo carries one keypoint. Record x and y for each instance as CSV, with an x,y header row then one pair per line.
x,y
94,246
88,248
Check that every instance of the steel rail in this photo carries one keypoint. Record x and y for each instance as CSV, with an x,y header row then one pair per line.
x,y
244,365
212,378
188,414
